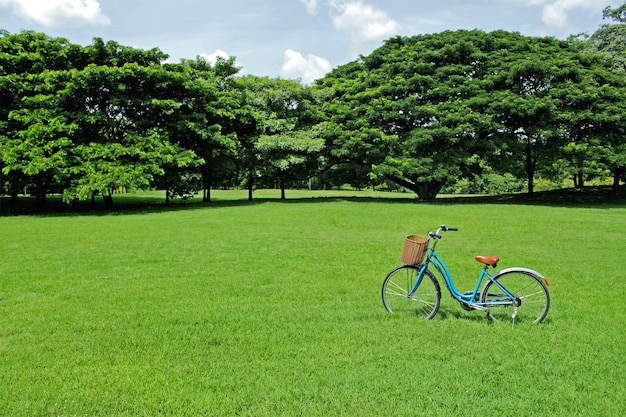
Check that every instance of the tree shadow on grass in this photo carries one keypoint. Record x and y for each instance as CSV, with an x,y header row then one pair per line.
x,y
587,197
26,206
590,197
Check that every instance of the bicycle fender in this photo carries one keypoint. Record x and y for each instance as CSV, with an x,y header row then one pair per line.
x,y
519,269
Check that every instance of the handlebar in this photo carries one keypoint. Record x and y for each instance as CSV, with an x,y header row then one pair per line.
x,y
442,228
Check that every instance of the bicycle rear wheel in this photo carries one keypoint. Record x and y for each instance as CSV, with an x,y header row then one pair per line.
x,y
531,295
424,302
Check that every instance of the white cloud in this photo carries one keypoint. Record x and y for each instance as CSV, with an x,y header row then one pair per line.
x,y
57,13
311,6
307,69
568,4
555,13
212,58
362,21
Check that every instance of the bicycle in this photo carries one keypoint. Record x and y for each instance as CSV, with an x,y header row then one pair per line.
x,y
519,293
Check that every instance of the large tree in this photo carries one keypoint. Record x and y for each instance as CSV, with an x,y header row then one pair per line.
x,y
249,126
125,116
529,79
87,120
408,109
427,110
609,43
207,119
354,144
287,141
40,144
35,131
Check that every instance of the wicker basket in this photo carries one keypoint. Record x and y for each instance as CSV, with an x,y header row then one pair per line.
x,y
415,247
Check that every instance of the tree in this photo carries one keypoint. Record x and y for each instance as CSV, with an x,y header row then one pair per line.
x,y
354,145
427,110
248,128
609,42
528,77
35,132
610,38
592,118
40,149
407,109
125,116
89,120
291,154
287,141
207,118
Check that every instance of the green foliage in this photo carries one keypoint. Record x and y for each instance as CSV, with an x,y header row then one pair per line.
x,y
608,43
609,40
487,183
208,117
457,109
109,118
128,113
426,104
288,141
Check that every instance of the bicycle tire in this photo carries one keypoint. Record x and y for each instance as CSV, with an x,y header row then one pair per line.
x,y
424,302
530,291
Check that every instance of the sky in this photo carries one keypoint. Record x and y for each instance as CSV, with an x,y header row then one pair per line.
x,y
295,39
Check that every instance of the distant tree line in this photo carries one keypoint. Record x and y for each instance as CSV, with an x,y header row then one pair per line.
x,y
467,109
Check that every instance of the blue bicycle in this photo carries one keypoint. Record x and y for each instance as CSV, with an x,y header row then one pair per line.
x,y
518,294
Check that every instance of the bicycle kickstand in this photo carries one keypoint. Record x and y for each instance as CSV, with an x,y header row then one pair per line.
x,y
513,316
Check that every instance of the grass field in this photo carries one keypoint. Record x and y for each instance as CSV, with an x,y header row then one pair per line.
x,y
273,308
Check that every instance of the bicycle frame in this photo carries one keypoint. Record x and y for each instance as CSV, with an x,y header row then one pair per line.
x,y
470,298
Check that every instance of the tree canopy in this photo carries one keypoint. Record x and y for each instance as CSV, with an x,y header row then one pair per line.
x,y
441,103
422,113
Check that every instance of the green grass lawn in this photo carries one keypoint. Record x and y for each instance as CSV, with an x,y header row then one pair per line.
x,y
273,308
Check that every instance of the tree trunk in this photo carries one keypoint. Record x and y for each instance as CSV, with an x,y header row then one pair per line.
x,y
282,187
617,176
530,166
579,180
206,184
251,160
424,190
108,200
429,190
281,184
250,184
43,184
14,186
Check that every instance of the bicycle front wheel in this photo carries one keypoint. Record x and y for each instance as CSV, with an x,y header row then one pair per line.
x,y
397,296
531,297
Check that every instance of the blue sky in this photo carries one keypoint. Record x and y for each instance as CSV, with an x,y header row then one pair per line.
x,y
289,38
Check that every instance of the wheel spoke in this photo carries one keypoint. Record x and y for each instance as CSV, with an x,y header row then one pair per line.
x,y
533,299
424,302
